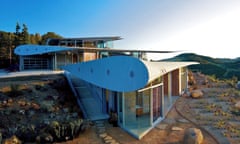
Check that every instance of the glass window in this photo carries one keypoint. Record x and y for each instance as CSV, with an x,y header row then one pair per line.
x,y
109,44
79,43
157,102
137,111
100,44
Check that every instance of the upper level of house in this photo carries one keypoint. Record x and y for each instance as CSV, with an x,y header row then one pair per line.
x,y
94,42
63,51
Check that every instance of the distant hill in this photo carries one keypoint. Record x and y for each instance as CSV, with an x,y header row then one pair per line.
x,y
220,67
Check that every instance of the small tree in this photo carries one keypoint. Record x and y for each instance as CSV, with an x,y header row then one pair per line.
x,y
25,35
17,35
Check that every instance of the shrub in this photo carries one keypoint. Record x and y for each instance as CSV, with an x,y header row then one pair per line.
x,y
14,90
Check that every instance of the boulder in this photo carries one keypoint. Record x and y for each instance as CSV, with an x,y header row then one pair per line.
x,y
4,103
47,106
238,85
237,105
12,140
22,103
205,82
10,100
191,79
193,136
35,106
196,94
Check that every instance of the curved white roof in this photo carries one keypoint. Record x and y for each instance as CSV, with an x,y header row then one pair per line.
x,y
156,69
39,49
116,73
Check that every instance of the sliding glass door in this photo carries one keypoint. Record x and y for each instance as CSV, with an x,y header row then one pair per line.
x,y
157,102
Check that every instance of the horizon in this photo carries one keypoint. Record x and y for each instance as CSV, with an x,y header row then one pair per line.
x,y
209,28
174,55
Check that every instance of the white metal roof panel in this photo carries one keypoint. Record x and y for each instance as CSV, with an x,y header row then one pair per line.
x,y
156,69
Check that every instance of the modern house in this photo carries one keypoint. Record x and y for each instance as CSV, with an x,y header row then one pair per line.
x,y
51,58
138,110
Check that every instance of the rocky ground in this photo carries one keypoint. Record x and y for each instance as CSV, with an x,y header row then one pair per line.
x,y
38,109
216,110
42,109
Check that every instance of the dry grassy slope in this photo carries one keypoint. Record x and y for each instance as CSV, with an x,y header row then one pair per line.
x,y
216,110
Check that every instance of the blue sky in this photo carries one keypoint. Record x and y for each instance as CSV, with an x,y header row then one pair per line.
x,y
207,27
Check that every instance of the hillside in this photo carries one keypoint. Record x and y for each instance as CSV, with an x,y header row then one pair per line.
x,y
38,109
221,68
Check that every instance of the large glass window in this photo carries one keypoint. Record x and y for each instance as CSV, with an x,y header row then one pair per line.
x,y
108,44
137,111
100,44
142,108
157,102
129,108
63,59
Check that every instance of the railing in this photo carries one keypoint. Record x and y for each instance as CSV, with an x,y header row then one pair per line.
x,y
94,92
67,75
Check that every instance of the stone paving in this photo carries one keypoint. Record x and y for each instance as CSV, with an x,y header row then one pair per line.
x,y
102,133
